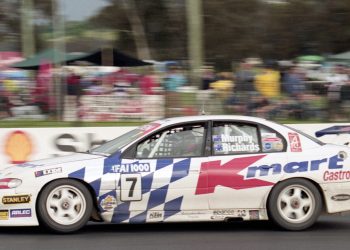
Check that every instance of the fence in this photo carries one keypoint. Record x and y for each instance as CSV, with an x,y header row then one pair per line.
x,y
314,105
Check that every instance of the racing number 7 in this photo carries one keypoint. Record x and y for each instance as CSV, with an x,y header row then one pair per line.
x,y
130,187
133,180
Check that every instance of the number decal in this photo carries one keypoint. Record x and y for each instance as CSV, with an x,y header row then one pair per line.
x,y
133,180
130,187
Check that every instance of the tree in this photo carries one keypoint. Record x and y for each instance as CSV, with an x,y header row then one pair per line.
x,y
10,18
163,23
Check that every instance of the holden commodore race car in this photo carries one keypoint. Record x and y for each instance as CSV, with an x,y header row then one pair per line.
x,y
201,168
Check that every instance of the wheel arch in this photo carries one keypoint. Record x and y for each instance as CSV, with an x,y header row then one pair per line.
x,y
95,212
305,178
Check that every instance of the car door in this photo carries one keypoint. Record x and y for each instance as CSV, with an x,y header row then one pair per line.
x,y
169,162
245,158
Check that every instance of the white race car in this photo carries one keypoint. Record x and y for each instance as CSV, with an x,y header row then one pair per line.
x,y
202,168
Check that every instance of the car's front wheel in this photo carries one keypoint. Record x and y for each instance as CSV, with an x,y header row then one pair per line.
x,y
294,204
64,206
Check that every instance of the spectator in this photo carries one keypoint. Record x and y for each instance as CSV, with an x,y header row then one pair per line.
x,y
262,107
172,81
4,104
73,84
147,84
267,82
208,76
293,84
337,92
245,79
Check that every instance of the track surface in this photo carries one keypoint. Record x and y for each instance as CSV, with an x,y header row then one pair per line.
x,y
330,232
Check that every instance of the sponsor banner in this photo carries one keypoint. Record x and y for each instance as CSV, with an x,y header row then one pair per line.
x,y
114,107
27,144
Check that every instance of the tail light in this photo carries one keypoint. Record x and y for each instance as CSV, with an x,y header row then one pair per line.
x,y
9,183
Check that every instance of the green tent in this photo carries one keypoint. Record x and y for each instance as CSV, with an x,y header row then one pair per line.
x,y
51,55
310,58
342,57
119,59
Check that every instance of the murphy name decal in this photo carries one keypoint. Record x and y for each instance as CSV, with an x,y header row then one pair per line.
x,y
333,162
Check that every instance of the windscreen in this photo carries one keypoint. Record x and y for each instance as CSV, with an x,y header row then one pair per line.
x,y
118,143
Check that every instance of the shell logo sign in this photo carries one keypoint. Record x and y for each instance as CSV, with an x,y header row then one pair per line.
x,y
18,147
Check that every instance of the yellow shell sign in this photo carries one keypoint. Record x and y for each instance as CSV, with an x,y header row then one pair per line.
x,y
18,147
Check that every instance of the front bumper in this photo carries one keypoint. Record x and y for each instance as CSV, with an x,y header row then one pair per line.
x,y
17,209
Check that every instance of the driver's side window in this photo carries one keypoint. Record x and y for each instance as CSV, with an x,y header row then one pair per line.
x,y
179,141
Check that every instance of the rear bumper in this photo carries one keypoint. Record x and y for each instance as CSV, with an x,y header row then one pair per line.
x,y
336,196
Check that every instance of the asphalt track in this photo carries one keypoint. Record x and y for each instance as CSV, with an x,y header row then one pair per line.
x,y
330,232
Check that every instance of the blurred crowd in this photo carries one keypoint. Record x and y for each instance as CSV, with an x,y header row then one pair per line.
x,y
273,90
283,90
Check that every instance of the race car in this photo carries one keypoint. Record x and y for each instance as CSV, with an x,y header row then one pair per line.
x,y
184,169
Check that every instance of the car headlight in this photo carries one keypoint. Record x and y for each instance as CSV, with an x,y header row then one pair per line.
x,y
7,183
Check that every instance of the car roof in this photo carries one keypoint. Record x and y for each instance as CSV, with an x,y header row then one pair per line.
x,y
173,120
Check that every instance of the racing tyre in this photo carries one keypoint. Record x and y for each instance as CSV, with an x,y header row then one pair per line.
x,y
64,206
294,204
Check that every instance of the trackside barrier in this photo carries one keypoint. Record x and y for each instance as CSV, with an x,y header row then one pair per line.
x,y
19,145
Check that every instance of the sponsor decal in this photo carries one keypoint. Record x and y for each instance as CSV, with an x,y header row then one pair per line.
x,y
345,129
218,148
15,199
4,214
228,147
224,213
254,214
18,147
157,215
267,146
29,165
108,203
131,168
20,213
239,143
149,127
272,144
236,138
228,176
217,138
48,171
294,142
278,146
341,197
333,162
189,213
336,176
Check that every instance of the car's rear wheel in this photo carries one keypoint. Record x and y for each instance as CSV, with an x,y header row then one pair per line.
x,y
64,206
294,204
